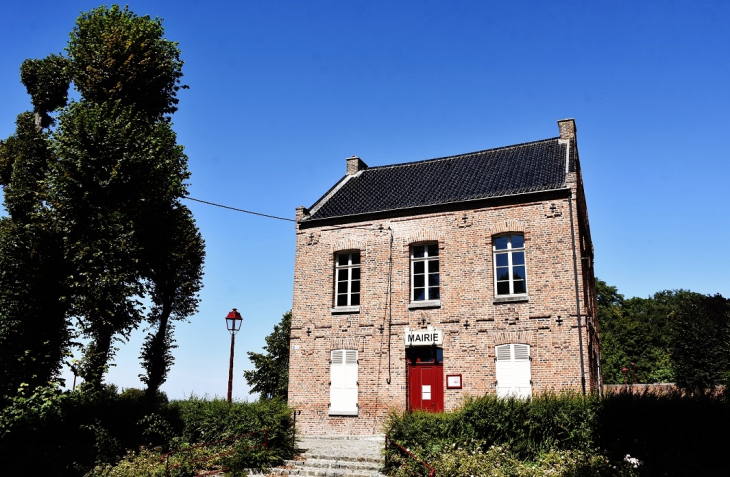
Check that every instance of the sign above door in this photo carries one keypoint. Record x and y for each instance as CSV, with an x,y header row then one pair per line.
x,y
428,337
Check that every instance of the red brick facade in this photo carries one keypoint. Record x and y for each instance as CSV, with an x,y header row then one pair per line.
x,y
558,255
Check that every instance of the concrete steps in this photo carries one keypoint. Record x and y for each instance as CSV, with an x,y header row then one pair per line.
x,y
343,456
329,468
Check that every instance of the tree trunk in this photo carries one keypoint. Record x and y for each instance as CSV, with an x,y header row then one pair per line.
x,y
96,358
158,362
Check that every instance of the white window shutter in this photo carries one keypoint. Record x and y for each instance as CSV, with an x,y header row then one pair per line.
x,y
503,370
350,382
343,382
336,379
521,371
512,369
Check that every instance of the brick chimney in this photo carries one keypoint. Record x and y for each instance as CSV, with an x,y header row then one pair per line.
x,y
302,213
355,165
567,128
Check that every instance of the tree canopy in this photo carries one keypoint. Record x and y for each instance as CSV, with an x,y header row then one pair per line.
x,y
674,336
93,189
270,376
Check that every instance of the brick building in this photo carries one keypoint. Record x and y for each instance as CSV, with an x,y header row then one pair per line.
x,y
417,284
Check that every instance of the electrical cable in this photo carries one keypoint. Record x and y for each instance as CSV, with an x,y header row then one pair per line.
x,y
240,210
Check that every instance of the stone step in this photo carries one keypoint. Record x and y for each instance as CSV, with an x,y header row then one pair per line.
x,y
334,456
318,472
336,464
329,468
345,458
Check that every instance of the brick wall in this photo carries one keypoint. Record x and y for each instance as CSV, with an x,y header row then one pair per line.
x,y
472,322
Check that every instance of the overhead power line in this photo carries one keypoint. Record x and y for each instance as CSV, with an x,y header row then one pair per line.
x,y
240,210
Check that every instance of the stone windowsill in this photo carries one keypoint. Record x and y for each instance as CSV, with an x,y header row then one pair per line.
x,y
510,299
343,413
415,305
346,309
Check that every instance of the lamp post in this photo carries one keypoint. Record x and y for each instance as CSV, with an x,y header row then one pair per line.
x,y
233,323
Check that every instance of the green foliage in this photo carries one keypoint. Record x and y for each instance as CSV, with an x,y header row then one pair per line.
x,y
24,160
636,331
47,82
270,376
34,331
528,427
174,274
672,433
97,203
500,461
118,57
211,420
701,342
672,336
145,463
77,432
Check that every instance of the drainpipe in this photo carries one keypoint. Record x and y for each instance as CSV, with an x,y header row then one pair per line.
x,y
577,298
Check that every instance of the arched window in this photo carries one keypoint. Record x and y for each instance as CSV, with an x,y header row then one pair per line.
x,y
510,274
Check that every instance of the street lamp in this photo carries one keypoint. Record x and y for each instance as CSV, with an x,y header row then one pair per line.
x,y
233,323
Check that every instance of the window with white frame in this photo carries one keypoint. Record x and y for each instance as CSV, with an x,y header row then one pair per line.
x,y
512,367
425,284
343,382
347,279
510,276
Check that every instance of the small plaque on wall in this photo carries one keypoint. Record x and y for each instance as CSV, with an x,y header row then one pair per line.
x,y
453,381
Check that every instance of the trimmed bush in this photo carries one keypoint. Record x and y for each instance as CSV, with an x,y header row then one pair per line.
x,y
73,433
207,420
528,427
670,433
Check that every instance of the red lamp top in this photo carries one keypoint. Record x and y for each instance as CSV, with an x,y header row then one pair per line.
x,y
234,321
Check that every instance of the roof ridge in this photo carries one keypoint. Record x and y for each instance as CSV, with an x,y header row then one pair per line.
x,y
436,159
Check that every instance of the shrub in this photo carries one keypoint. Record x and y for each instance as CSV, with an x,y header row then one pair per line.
x,y
673,433
529,427
208,420
500,461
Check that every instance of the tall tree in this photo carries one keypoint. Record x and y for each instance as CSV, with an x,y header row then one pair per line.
x,y
174,277
270,376
673,336
35,335
638,331
108,181
701,342
118,183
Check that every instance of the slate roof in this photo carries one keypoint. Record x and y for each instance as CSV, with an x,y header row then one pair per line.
x,y
528,167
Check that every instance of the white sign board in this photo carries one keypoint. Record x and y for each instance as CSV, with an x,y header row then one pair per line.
x,y
424,337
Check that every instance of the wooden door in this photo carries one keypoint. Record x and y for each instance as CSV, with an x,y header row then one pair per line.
x,y
426,387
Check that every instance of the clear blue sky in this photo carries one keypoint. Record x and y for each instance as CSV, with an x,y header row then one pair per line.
x,y
282,92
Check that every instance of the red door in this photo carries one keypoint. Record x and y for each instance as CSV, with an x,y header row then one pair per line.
x,y
426,386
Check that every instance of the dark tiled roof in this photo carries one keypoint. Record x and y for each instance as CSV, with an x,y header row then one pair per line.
x,y
528,167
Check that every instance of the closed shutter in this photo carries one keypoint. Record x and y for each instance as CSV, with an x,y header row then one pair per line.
x,y
503,370
343,382
521,371
512,369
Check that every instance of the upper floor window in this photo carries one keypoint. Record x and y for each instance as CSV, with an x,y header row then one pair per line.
x,y
509,265
347,283
425,272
